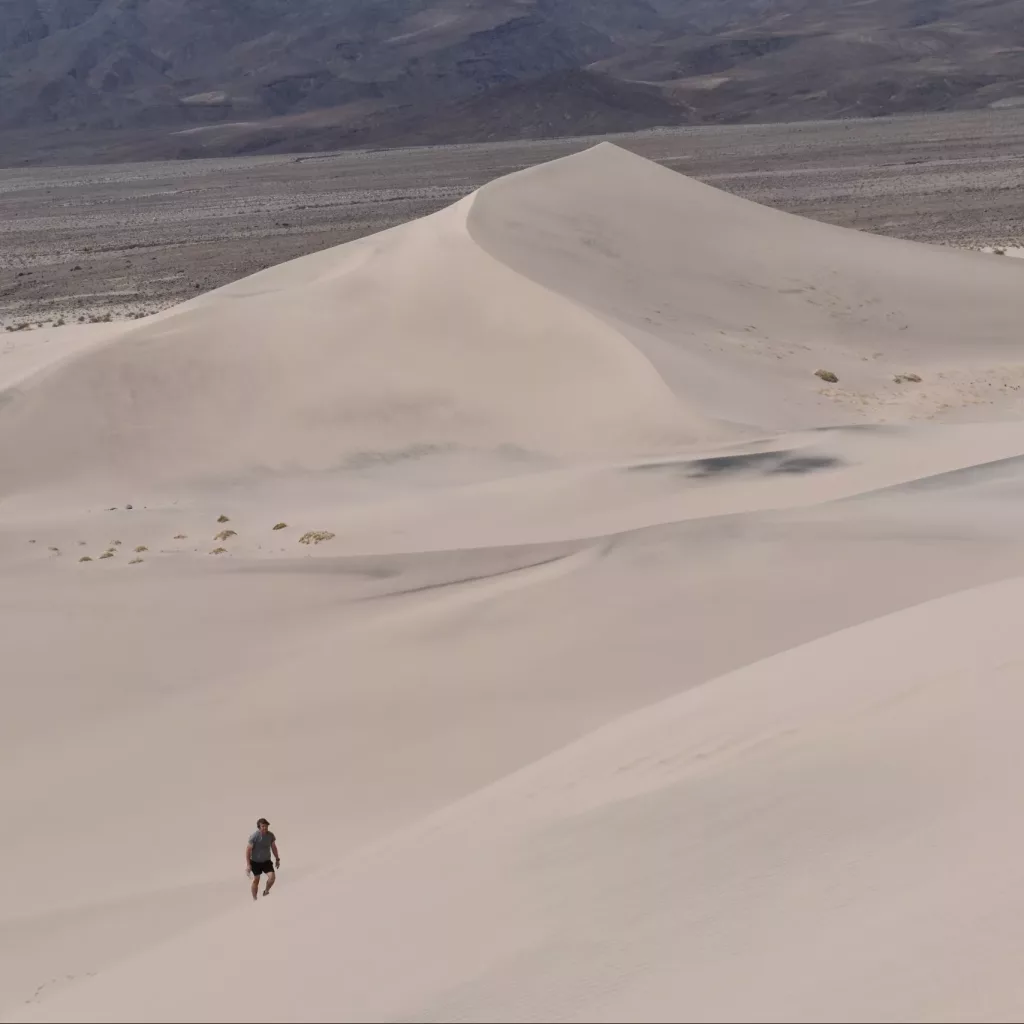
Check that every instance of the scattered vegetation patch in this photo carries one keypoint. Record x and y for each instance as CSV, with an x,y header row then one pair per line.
x,y
115,543
280,526
57,550
219,551
225,534
906,378
135,561
316,536
181,536
107,554
141,548
86,558
223,519
827,375
999,251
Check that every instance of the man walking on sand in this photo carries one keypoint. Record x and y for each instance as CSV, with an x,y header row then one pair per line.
x,y
262,846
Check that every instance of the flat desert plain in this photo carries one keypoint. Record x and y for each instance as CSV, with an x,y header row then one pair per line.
x,y
608,586
127,240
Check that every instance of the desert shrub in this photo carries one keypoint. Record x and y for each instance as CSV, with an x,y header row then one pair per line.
x,y
219,551
223,519
86,558
827,375
316,536
906,378
280,526
141,548
225,534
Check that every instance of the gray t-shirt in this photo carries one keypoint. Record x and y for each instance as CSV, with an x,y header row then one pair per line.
x,y
260,841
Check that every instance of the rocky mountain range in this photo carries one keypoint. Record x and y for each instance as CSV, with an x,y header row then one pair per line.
x,y
130,78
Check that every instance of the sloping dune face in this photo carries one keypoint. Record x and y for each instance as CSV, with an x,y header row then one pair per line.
x,y
592,658
766,825
414,337
737,304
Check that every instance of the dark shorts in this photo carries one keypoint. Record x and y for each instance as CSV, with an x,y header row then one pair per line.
x,y
262,867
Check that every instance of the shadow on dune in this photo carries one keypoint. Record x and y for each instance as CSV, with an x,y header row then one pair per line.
x,y
763,463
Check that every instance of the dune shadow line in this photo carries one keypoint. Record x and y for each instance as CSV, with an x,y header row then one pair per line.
x,y
763,463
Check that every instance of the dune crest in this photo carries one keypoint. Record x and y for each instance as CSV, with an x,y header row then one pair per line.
x,y
738,304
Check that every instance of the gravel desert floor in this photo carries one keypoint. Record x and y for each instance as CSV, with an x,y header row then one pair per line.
x,y
84,243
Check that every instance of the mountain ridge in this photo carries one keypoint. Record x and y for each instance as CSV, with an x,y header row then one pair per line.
x,y
274,74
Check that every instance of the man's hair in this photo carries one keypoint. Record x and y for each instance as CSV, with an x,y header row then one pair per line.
x,y
262,821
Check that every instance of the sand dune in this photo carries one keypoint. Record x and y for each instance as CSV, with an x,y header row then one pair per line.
x,y
833,838
638,673
597,307
410,340
736,304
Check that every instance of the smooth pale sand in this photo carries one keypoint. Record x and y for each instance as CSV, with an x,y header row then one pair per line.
x,y
647,676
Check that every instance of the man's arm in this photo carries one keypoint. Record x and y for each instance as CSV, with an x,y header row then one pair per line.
x,y
277,856
248,858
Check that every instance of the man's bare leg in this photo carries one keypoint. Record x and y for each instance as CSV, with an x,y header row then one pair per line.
x,y
255,886
271,879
